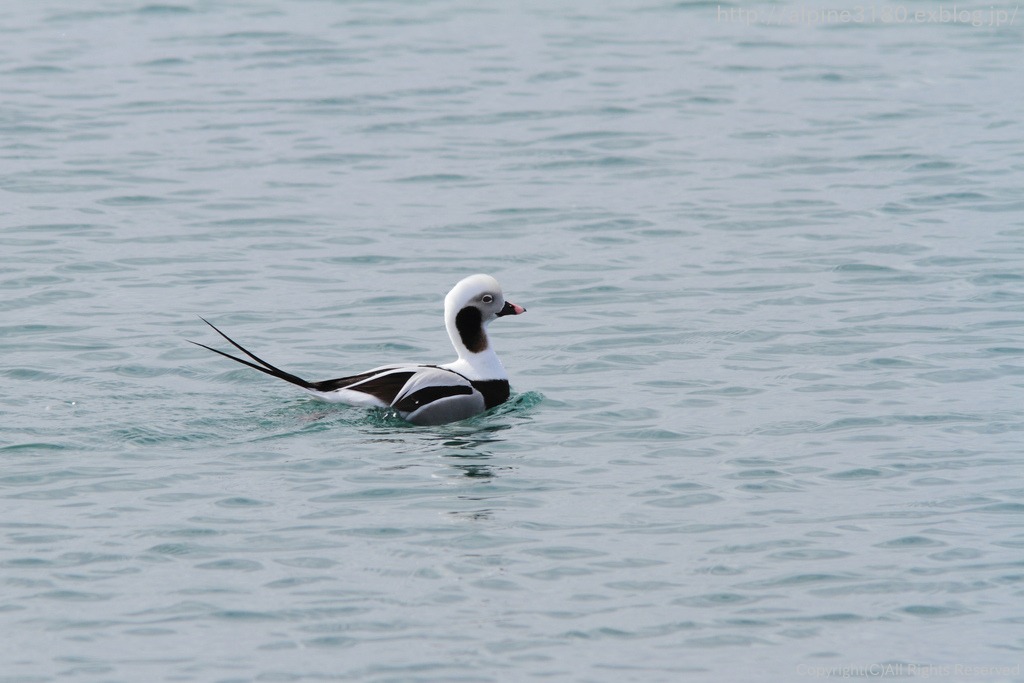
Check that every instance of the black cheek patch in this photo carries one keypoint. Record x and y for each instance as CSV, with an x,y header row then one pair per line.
x,y
471,331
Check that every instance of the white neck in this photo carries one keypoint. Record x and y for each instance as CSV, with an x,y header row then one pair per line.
x,y
475,366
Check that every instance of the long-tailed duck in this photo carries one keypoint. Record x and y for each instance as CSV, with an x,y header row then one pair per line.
x,y
424,394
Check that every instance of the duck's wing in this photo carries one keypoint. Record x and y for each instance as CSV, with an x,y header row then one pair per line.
x,y
379,387
423,394
437,395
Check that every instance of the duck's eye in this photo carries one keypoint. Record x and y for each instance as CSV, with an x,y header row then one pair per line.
x,y
487,298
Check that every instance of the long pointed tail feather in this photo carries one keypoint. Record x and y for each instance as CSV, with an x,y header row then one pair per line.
x,y
263,366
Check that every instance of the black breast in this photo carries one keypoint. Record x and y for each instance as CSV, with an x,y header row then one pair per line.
x,y
495,391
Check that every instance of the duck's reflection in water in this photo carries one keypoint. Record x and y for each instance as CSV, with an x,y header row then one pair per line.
x,y
468,452
469,457
472,515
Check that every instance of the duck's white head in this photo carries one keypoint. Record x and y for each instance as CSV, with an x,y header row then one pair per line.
x,y
471,305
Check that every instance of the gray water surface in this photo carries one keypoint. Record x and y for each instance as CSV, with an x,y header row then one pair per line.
x,y
767,417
